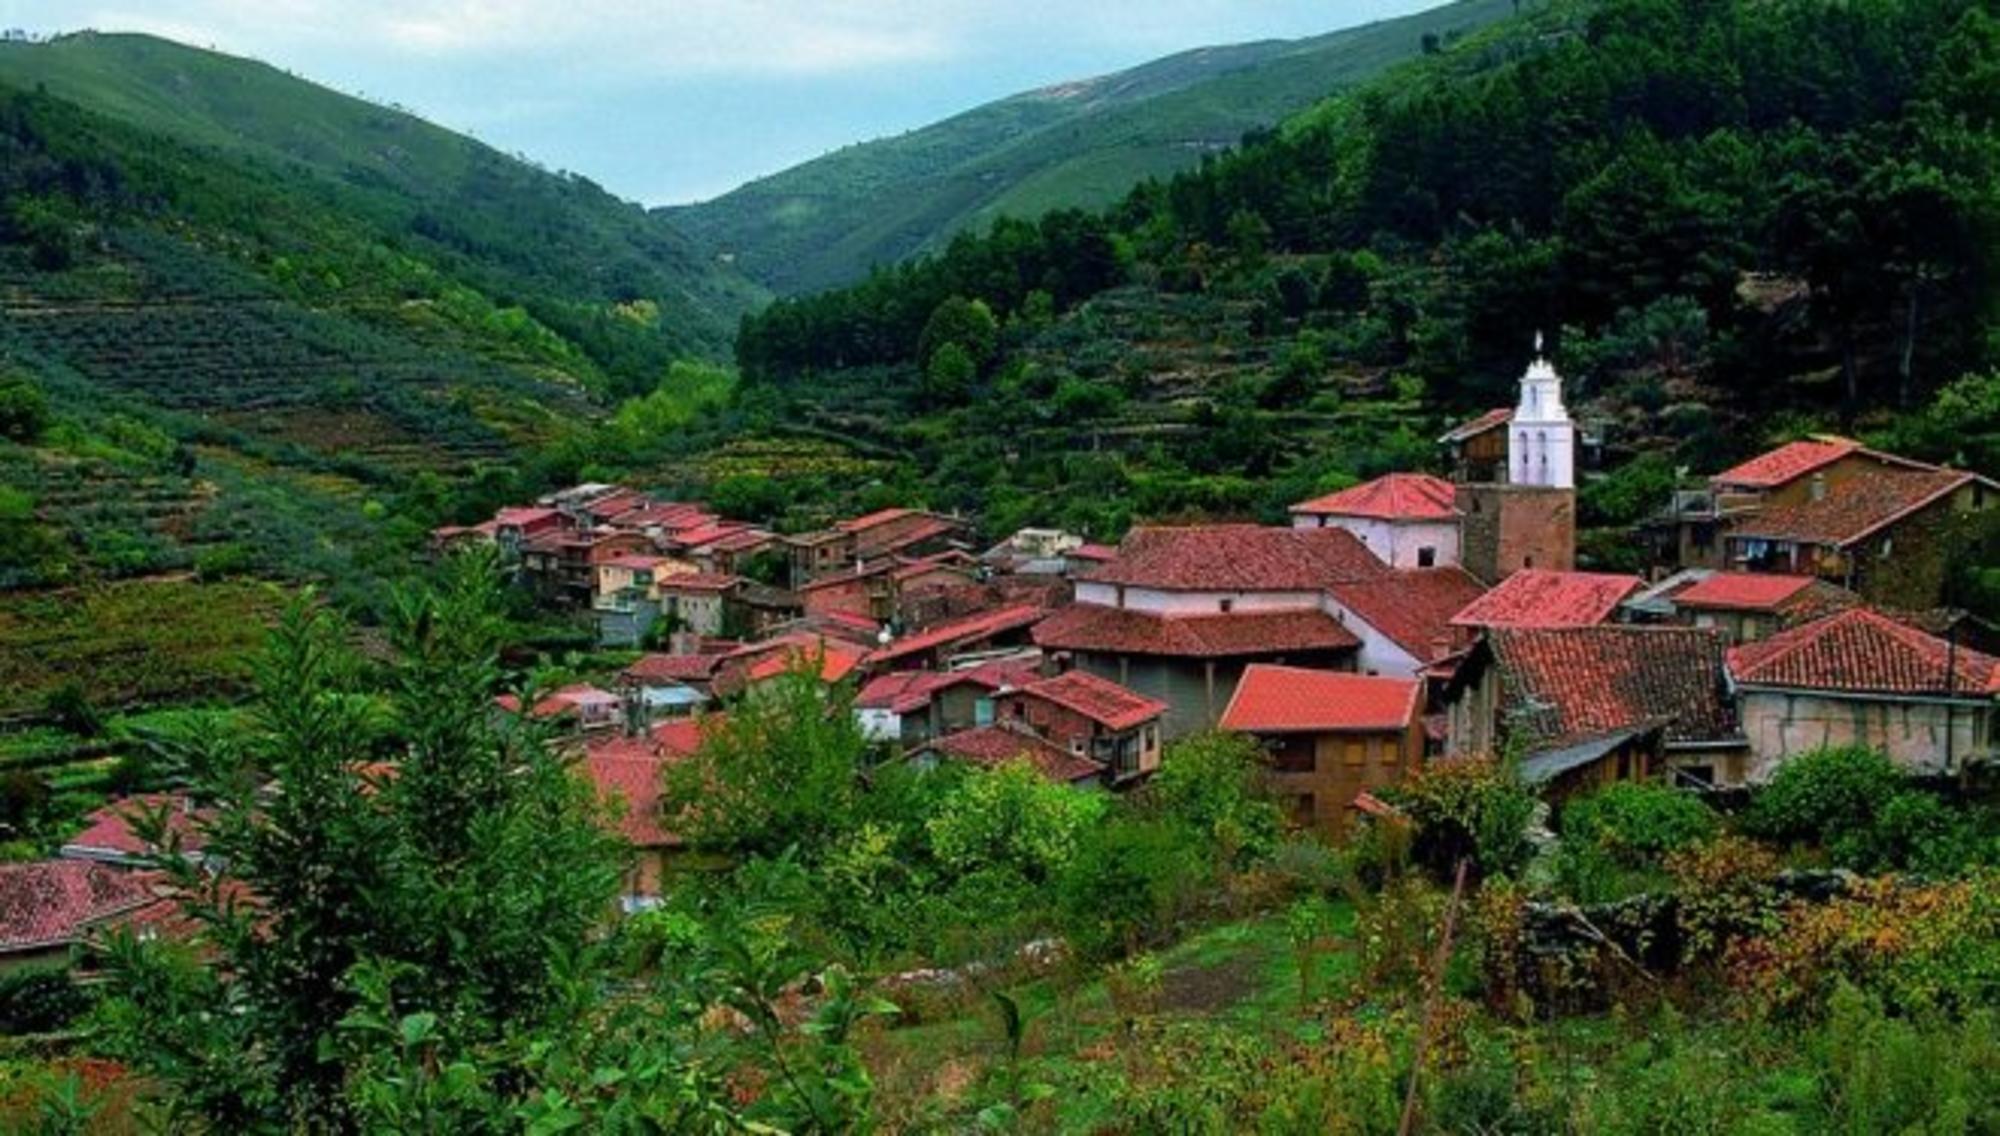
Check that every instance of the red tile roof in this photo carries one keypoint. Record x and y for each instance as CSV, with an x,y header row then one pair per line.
x,y
870,520
1393,497
1098,699
1120,631
1498,416
1863,652
892,691
906,692
1562,684
672,668
524,515
970,629
680,737
992,746
1095,552
698,582
1742,591
1539,597
707,534
1787,463
867,544
1853,509
563,701
836,661
51,903
108,832
1274,700
634,560
1414,607
1230,558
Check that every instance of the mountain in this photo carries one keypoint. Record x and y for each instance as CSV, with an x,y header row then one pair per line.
x,y
1073,145
1739,222
272,325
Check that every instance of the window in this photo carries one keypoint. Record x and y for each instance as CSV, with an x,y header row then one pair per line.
x,y
1225,605
1294,753
1527,562
1356,752
1427,557
1302,809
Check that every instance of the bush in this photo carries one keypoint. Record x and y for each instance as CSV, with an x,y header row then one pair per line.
x,y
1128,881
1212,784
40,999
1472,809
24,409
1636,823
1821,796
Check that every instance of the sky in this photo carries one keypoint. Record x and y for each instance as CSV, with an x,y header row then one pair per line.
x,y
671,101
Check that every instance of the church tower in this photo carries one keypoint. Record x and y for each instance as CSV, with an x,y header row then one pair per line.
x,y
1525,515
1541,443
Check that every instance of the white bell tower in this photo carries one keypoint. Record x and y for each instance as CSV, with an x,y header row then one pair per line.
x,y
1541,439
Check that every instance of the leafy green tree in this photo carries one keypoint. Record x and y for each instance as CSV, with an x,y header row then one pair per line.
x,y
1816,797
949,377
24,409
1212,784
1012,818
462,889
782,770
970,324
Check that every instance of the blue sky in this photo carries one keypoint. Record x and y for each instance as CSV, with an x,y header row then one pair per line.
x,y
676,100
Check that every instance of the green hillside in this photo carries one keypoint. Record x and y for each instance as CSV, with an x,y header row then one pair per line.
x,y
261,327
1081,144
1737,223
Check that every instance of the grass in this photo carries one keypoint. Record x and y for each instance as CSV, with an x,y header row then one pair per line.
x,y
1241,976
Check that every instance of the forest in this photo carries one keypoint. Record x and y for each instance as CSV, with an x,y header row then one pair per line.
x,y
1736,223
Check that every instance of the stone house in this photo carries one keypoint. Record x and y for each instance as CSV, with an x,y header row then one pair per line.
x,y
1860,678
1089,717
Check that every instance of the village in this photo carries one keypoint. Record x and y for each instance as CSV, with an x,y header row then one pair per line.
x,y
1405,620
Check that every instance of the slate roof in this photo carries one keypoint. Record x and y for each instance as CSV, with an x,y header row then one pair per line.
x,y
1275,700
1864,652
51,903
1098,699
1742,591
1854,509
992,746
1121,631
1392,497
1563,684
1787,463
1541,597
1414,607
1233,558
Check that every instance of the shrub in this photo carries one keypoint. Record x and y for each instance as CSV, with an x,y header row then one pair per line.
x,y
71,707
1128,881
40,999
1474,809
24,409
1818,797
1213,785
1635,822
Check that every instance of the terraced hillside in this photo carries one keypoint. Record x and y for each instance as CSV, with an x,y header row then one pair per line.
x,y
272,325
1074,145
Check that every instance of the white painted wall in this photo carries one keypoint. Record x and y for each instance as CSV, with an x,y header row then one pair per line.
x,y
1194,603
879,725
1782,724
1395,543
1379,654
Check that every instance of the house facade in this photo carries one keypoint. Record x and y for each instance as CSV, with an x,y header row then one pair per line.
x,y
1330,736
1860,678
1090,717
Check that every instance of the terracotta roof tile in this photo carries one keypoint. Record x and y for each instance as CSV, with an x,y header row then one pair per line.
x,y
1498,416
698,582
1414,607
1853,509
1098,699
970,629
1111,630
673,668
993,746
1787,463
1273,699
1562,684
1393,497
1238,558
1742,591
1539,597
1860,651
50,903
836,661
109,831
871,520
